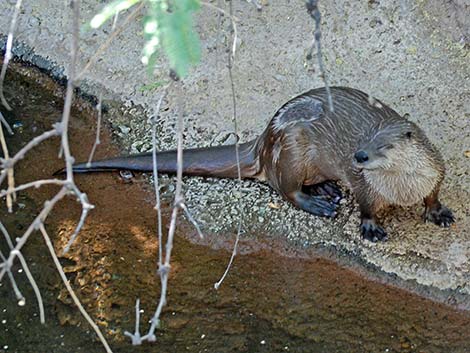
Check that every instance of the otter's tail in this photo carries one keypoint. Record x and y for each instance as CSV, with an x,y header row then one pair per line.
x,y
217,161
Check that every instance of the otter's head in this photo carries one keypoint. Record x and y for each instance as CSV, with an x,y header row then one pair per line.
x,y
395,148
399,163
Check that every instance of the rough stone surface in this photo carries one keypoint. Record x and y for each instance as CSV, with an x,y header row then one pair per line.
x,y
413,55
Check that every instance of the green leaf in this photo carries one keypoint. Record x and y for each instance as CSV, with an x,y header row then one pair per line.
x,y
172,28
111,10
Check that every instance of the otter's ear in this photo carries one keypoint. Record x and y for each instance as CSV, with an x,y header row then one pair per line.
x,y
408,134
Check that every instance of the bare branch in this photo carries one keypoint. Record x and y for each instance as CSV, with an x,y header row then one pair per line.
x,y
231,57
192,220
7,236
35,184
8,55
135,337
33,284
22,152
155,176
164,267
19,296
11,179
48,205
98,130
86,207
314,12
5,123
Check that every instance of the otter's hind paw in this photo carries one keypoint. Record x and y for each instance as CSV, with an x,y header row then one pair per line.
x,y
327,188
442,216
372,232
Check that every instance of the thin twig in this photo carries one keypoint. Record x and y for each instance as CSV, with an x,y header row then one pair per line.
x,y
231,57
7,236
69,91
35,184
48,205
22,152
116,16
19,296
86,207
314,12
5,123
8,55
75,299
135,337
33,284
156,182
165,268
98,130
108,41
192,220
10,172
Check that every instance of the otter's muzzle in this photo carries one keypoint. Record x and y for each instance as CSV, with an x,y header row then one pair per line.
x,y
361,156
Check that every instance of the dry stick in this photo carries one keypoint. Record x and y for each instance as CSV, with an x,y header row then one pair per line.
x,y
86,206
155,177
108,41
69,91
35,184
11,179
165,268
136,339
7,57
5,123
231,58
7,236
22,152
116,16
19,296
191,219
48,205
314,12
33,284
75,299
98,131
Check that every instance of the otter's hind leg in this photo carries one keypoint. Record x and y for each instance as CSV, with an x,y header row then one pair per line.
x,y
318,205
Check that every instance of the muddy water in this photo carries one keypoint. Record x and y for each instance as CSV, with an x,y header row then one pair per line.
x,y
268,303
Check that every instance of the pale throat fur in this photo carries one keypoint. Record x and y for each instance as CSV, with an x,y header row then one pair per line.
x,y
403,180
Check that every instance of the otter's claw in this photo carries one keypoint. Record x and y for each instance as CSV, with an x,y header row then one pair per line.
x,y
442,216
327,188
373,232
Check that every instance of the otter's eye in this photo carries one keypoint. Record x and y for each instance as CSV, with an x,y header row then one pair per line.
x,y
408,134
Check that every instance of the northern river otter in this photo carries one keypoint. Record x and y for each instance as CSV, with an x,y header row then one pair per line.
x,y
382,157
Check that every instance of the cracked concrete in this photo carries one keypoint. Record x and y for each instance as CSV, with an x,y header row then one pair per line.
x,y
412,55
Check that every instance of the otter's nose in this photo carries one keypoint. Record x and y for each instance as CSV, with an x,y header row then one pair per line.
x,y
361,156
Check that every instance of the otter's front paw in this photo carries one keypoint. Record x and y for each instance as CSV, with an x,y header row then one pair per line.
x,y
441,215
372,232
